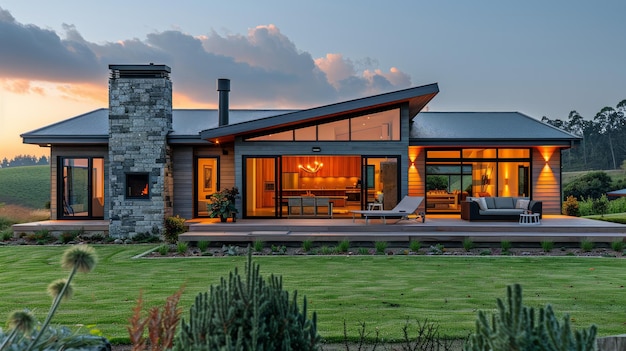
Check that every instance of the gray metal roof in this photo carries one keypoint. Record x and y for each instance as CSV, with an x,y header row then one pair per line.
x,y
93,127
484,128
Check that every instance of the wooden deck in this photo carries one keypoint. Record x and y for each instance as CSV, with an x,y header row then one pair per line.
x,y
437,228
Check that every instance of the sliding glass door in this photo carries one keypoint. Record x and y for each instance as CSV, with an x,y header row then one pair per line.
x,y
81,188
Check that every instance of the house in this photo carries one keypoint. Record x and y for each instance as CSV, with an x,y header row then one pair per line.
x,y
140,161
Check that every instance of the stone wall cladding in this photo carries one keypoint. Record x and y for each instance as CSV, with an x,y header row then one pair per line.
x,y
140,118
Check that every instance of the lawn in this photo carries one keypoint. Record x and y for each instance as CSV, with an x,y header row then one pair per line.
x,y
382,291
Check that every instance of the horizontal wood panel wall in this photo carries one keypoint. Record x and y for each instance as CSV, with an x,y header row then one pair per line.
x,y
182,172
183,167
77,152
546,178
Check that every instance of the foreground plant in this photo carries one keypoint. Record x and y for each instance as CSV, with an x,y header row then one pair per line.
x,y
517,327
247,313
161,324
79,258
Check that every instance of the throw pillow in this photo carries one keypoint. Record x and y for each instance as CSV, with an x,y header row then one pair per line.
x,y
522,204
481,203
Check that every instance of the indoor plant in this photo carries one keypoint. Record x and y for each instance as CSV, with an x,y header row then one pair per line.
x,y
222,204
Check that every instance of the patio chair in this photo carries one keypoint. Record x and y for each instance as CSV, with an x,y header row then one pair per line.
x,y
292,203
403,209
324,202
309,201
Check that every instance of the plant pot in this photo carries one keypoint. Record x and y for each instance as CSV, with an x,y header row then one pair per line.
x,y
223,219
234,217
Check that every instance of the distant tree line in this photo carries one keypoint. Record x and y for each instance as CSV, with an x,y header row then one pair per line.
x,y
24,160
604,139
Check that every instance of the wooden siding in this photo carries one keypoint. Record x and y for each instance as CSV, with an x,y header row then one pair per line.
x,y
76,151
183,166
182,172
546,178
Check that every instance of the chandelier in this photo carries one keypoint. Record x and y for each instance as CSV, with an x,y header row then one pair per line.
x,y
311,169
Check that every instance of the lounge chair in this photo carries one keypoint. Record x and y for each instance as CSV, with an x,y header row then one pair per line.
x,y
403,209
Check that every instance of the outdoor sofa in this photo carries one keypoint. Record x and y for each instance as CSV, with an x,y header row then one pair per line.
x,y
498,208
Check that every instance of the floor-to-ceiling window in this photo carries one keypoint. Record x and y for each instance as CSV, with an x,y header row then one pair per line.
x,y
452,175
81,187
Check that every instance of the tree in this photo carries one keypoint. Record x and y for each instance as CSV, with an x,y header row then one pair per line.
x,y
607,119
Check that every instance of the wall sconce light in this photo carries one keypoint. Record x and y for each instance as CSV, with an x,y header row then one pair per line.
x,y
506,181
412,164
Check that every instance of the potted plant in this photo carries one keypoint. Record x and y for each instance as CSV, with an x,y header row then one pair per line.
x,y
222,204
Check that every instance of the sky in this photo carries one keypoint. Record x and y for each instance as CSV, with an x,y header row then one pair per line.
x,y
541,58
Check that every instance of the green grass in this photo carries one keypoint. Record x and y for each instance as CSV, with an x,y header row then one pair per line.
x,y
27,186
383,291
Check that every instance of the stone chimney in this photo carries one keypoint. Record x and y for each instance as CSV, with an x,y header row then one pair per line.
x,y
140,118
223,87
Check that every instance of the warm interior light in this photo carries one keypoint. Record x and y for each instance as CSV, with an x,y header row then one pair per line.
x,y
311,169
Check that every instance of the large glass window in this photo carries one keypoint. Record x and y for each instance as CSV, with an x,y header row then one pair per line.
x,y
379,126
81,188
452,175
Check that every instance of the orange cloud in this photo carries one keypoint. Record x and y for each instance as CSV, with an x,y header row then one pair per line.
x,y
336,68
21,86
84,91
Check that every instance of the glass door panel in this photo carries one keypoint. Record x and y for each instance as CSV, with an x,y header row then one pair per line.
x,y
81,188
380,182
261,196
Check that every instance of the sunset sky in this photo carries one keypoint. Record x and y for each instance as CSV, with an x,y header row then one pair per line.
x,y
542,58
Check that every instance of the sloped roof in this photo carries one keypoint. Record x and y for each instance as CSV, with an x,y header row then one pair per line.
x,y
93,127
417,98
485,128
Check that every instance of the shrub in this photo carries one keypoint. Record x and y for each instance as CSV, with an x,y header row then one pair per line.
x,y
307,245
618,245
182,247
343,246
248,313
161,324
363,251
380,247
586,245
279,249
468,244
547,245
203,245
6,234
618,205
325,250
66,237
517,327
600,206
163,249
436,249
258,245
415,245
570,207
585,207
174,225
591,185
506,245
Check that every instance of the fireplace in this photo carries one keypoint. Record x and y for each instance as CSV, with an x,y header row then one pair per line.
x,y
137,186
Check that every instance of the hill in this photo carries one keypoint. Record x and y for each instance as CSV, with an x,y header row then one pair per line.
x,y
27,186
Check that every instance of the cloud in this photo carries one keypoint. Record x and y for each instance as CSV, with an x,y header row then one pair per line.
x,y
265,67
